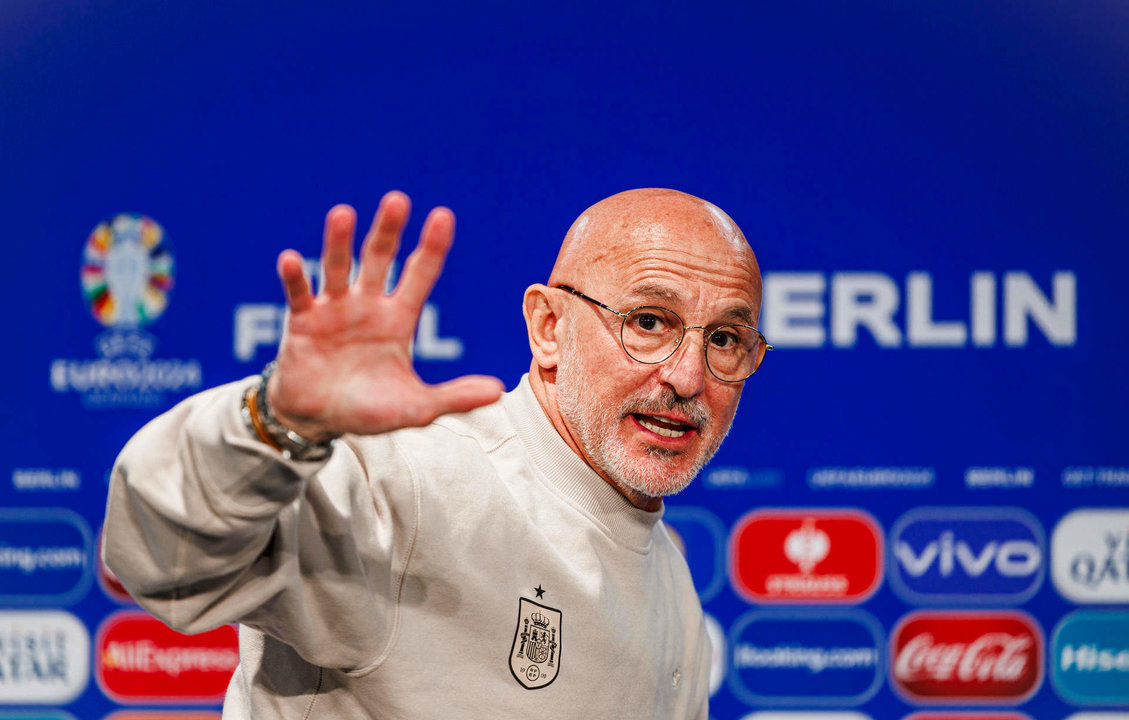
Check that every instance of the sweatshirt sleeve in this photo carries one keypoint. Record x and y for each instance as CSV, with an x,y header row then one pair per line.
x,y
206,525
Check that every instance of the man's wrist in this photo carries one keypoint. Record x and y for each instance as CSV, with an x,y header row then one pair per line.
x,y
262,422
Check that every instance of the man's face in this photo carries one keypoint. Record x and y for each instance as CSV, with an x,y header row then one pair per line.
x,y
651,428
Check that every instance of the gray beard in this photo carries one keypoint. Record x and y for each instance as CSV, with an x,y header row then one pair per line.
x,y
657,475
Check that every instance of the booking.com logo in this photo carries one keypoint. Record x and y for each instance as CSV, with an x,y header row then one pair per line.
x,y
44,556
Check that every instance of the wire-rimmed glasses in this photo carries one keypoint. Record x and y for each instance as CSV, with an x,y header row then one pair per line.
x,y
650,334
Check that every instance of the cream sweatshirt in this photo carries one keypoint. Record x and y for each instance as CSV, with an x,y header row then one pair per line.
x,y
474,568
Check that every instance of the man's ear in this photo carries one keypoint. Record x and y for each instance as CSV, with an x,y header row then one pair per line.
x,y
541,318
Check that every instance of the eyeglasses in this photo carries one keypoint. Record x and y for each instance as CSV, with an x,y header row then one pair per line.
x,y
651,334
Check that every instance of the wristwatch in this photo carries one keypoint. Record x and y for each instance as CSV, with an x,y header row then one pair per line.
x,y
262,422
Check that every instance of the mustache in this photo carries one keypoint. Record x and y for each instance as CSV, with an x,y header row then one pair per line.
x,y
696,412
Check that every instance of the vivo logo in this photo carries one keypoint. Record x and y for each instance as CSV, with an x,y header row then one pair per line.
x,y
988,554
1014,558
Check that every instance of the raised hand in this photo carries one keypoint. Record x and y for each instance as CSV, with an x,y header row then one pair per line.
x,y
345,363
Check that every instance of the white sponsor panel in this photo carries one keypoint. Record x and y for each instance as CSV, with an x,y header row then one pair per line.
x,y
44,657
1090,556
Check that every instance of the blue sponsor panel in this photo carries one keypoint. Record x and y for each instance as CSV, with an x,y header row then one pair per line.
x,y
1090,658
986,555
45,556
700,536
798,658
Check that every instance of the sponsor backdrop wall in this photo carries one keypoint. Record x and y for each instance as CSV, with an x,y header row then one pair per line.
x,y
923,508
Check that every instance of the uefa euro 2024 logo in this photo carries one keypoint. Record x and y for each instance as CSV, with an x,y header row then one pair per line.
x,y
127,271
127,275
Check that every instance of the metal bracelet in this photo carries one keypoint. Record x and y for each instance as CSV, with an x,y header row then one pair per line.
x,y
292,445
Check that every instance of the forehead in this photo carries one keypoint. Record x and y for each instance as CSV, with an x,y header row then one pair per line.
x,y
687,261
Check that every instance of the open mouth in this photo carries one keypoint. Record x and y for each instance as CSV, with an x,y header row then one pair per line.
x,y
665,427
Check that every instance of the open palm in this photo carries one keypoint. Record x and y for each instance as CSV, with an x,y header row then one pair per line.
x,y
345,363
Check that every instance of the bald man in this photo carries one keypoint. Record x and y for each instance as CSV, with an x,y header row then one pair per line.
x,y
397,550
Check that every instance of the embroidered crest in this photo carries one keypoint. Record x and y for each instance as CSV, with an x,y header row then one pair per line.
x,y
535,658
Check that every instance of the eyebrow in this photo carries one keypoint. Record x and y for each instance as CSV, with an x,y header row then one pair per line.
x,y
657,292
739,313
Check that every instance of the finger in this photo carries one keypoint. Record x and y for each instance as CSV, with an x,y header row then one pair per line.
x,y
425,263
382,241
337,249
294,282
465,393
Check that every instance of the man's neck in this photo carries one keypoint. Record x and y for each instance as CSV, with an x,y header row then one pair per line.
x,y
543,384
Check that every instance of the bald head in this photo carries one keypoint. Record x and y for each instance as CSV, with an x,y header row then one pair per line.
x,y
645,426
635,224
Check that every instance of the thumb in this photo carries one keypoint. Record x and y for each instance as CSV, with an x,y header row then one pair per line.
x,y
466,393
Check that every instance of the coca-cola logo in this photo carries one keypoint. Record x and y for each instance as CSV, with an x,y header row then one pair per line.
x,y
139,659
805,556
967,657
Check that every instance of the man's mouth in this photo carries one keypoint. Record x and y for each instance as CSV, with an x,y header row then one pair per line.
x,y
665,427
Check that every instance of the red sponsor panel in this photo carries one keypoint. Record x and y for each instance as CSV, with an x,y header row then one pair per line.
x,y
140,660
812,555
970,657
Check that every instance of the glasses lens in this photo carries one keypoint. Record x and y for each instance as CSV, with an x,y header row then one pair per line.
x,y
734,351
651,334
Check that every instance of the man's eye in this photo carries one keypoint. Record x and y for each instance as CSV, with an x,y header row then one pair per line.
x,y
723,340
648,321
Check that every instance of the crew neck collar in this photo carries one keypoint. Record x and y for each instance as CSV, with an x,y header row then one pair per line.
x,y
573,477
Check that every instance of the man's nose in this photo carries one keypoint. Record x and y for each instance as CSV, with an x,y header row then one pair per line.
x,y
686,370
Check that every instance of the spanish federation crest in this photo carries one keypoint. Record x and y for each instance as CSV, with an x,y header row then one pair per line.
x,y
535,658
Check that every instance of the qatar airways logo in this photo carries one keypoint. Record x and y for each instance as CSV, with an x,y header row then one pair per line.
x,y
968,658
807,309
1090,556
44,657
806,555
141,660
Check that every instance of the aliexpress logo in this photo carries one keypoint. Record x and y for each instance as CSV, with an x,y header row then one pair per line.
x,y
138,659
813,555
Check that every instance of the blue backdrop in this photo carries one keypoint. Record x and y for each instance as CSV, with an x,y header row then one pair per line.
x,y
937,195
